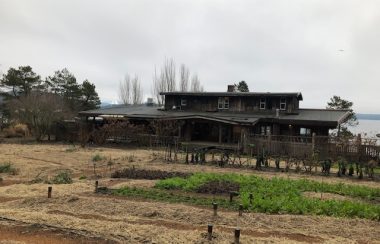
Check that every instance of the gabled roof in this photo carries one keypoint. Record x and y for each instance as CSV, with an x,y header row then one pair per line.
x,y
236,94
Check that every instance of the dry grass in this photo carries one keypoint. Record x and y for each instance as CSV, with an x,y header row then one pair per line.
x,y
75,206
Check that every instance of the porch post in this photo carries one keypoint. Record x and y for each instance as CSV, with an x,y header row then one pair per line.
x,y
313,142
359,145
188,131
243,138
220,133
179,131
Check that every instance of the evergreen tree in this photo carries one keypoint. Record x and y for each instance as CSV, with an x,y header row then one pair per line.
x,y
336,102
90,98
21,81
242,86
65,84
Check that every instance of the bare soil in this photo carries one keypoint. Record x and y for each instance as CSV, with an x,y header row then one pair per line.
x,y
75,214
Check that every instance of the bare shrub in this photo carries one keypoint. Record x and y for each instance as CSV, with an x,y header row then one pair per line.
x,y
218,187
133,173
39,111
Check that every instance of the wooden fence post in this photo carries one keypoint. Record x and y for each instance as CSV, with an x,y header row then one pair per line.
x,y
215,207
209,232
96,186
241,210
237,236
50,189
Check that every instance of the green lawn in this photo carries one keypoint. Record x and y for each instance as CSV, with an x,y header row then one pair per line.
x,y
276,195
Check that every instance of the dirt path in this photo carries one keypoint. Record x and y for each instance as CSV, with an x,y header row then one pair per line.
x,y
139,221
17,232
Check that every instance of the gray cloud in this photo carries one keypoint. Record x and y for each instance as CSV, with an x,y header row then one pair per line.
x,y
274,45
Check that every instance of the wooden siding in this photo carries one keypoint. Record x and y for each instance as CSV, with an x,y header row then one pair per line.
x,y
236,104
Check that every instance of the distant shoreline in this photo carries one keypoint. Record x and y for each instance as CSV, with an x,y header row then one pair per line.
x,y
368,116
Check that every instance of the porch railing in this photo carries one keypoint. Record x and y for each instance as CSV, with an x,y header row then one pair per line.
x,y
356,148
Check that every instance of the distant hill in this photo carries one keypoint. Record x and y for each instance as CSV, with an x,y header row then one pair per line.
x,y
368,116
107,104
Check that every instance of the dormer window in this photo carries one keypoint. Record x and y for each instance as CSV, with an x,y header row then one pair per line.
x,y
223,103
183,102
282,104
262,103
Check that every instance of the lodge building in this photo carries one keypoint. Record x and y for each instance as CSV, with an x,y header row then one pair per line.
x,y
232,116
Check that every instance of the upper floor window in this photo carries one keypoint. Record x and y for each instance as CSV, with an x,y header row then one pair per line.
x,y
223,103
262,103
283,104
183,102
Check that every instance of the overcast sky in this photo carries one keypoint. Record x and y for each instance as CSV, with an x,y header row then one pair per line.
x,y
318,47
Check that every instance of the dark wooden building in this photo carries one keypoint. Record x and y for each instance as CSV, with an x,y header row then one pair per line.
x,y
231,117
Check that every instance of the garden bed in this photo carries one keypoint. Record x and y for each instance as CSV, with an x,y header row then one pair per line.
x,y
133,173
275,196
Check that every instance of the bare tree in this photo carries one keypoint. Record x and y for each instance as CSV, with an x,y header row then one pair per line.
x,y
196,84
158,86
39,111
130,90
125,90
165,81
184,78
137,92
168,75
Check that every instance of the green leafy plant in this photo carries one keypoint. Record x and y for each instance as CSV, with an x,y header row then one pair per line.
x,y
98,157
63,177
8,168
279,195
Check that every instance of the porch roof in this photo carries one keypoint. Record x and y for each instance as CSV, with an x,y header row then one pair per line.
x,y
326,117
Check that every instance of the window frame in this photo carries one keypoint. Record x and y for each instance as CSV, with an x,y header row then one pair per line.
x,y
282,102
265,130
183,102
263,101
307,131
223,103
226,103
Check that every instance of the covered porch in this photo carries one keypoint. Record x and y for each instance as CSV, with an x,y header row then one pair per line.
x,y
203,131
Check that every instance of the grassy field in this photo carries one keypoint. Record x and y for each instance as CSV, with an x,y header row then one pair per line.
x,y
274,196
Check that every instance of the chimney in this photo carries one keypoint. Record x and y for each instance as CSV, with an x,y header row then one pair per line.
x,y
149,102
231,88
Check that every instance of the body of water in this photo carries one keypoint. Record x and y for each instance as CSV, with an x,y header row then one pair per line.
x,y
368,128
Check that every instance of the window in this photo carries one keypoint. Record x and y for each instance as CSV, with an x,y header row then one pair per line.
x,y
305,132
223,103
283,104
183,102
226,103
265,130
262,103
